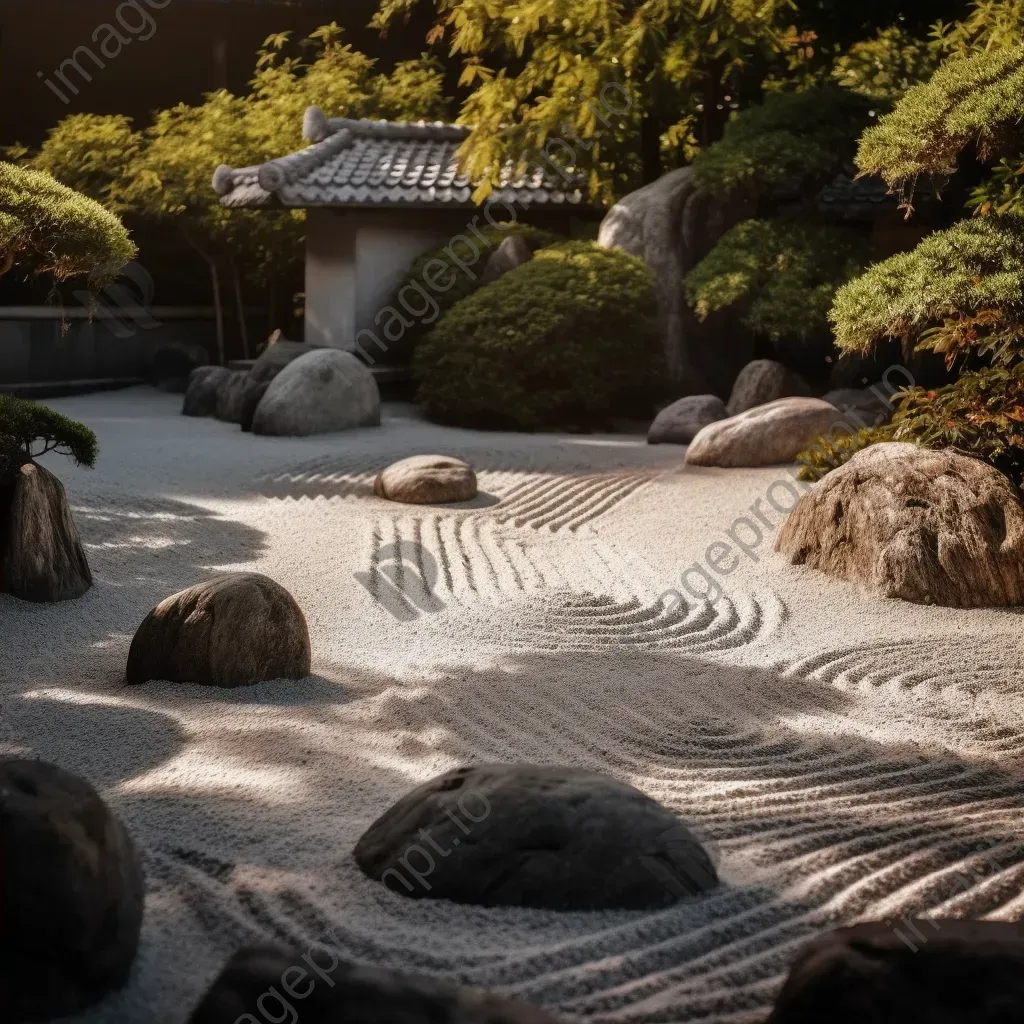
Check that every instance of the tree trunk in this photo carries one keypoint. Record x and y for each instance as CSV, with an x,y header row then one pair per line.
x,y
271,302
240,303
218,306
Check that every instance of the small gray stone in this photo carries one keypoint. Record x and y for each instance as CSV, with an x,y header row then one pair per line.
x,y
238,629
935,971
203,388
41,553
933,527
683,420
274,358
522,835
513,252
229,396
322,391
71,890
426,480
761,382
765,435
338,992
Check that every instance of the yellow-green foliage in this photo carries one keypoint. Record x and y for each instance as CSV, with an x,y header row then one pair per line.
x,y
795,138
48,228
828,453
559,343
968,276
981,415
974,100
785,272
885,66
463,260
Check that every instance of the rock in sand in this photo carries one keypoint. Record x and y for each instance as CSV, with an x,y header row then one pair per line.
x,y
682,421
204,385
761,382
426,480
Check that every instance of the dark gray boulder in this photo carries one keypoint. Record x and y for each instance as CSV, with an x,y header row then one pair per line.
x,y
862,407
41,553
927,971
672,225
72,894
235,630
513,252
683,420
763,381
172,366
269,979
203,388
320,392
229,396
523,835
274,358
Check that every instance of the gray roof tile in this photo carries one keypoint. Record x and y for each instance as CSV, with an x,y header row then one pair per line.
x,y
379,163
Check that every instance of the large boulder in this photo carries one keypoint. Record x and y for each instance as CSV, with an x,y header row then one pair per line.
x,y
274,358
230,392
269,979
71,890
426,480
764,436
672,225
683,420
238,629
933,527
761,382
513,252
204,385
862,407
41,554
172,366
522,835
317,393
921,970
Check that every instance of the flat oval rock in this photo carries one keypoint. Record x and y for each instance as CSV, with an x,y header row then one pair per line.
x,y
238,629
427,480
72,894
323,989
522,835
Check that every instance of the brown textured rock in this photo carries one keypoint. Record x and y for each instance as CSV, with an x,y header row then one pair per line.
x,y
203,387
337,992
763,436
921,971
924,526
41,554
238,629
761,382
682,421
526,835
71,893
426,480
230,393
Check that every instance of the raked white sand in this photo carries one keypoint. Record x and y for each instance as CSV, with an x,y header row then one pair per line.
x,y
844,757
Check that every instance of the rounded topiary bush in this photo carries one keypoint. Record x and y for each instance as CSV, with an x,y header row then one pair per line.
x,y
453,272
567,341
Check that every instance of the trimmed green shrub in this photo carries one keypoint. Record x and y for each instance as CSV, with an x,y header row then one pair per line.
x,y
785,272
828,453
459,264
566,341
29,430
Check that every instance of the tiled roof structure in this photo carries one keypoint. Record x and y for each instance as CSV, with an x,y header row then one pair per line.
x,y
379,164
857,199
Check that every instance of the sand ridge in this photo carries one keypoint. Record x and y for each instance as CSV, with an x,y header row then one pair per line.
x,y
842,757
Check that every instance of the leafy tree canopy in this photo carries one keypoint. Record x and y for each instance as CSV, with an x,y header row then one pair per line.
x,y
29,430
51,229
